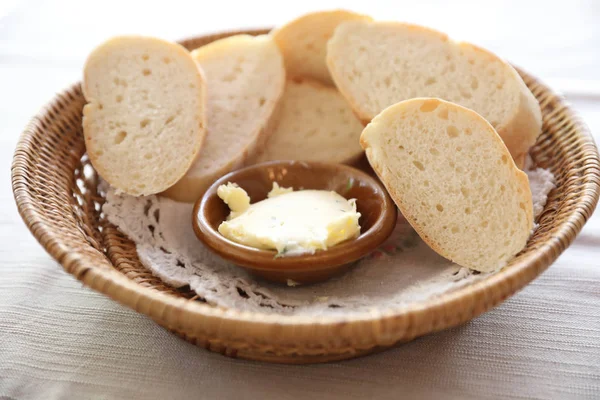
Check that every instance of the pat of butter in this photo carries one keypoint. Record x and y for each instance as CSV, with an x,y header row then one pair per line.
x,y
290,222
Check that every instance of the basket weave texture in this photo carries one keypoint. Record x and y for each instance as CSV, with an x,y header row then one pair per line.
x,y
55,188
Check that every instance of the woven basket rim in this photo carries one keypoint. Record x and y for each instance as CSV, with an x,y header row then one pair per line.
x,y
144,299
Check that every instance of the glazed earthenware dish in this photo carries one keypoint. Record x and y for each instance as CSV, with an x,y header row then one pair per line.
x,y
377,221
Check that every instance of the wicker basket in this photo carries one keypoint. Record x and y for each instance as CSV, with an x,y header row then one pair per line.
x,y
55,188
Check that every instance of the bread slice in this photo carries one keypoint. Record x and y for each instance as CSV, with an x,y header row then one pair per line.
x,y
377,64
314,123
245,78
303,42
453,179
145,118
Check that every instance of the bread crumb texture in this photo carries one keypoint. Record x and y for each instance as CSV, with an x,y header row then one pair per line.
x,y
453,179
145,118
303,42
377,64
245,78
314,123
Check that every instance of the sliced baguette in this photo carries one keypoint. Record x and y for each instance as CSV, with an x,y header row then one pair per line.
x,y
314,123
377,64
453,179
145,118
245,78
303,42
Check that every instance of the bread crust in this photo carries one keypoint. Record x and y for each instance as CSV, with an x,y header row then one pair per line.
x,y
92,107
345,156
519,132
190,188
384,173
307,60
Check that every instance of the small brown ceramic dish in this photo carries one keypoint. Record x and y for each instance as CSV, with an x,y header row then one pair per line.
x,y
377,221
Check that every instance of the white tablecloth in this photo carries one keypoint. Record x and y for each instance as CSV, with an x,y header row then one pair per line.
x,y
61,340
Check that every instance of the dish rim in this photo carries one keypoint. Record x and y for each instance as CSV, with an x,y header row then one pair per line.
x,y
342,253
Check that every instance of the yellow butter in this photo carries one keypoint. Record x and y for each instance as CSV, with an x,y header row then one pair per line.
x,y
291,222
235,197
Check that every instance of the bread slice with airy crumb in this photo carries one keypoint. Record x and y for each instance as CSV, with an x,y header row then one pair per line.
x,y
303,42
245,78
144,122
314,123
453,179
377,64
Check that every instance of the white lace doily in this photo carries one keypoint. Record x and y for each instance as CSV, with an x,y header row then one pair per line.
x,y
402,271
